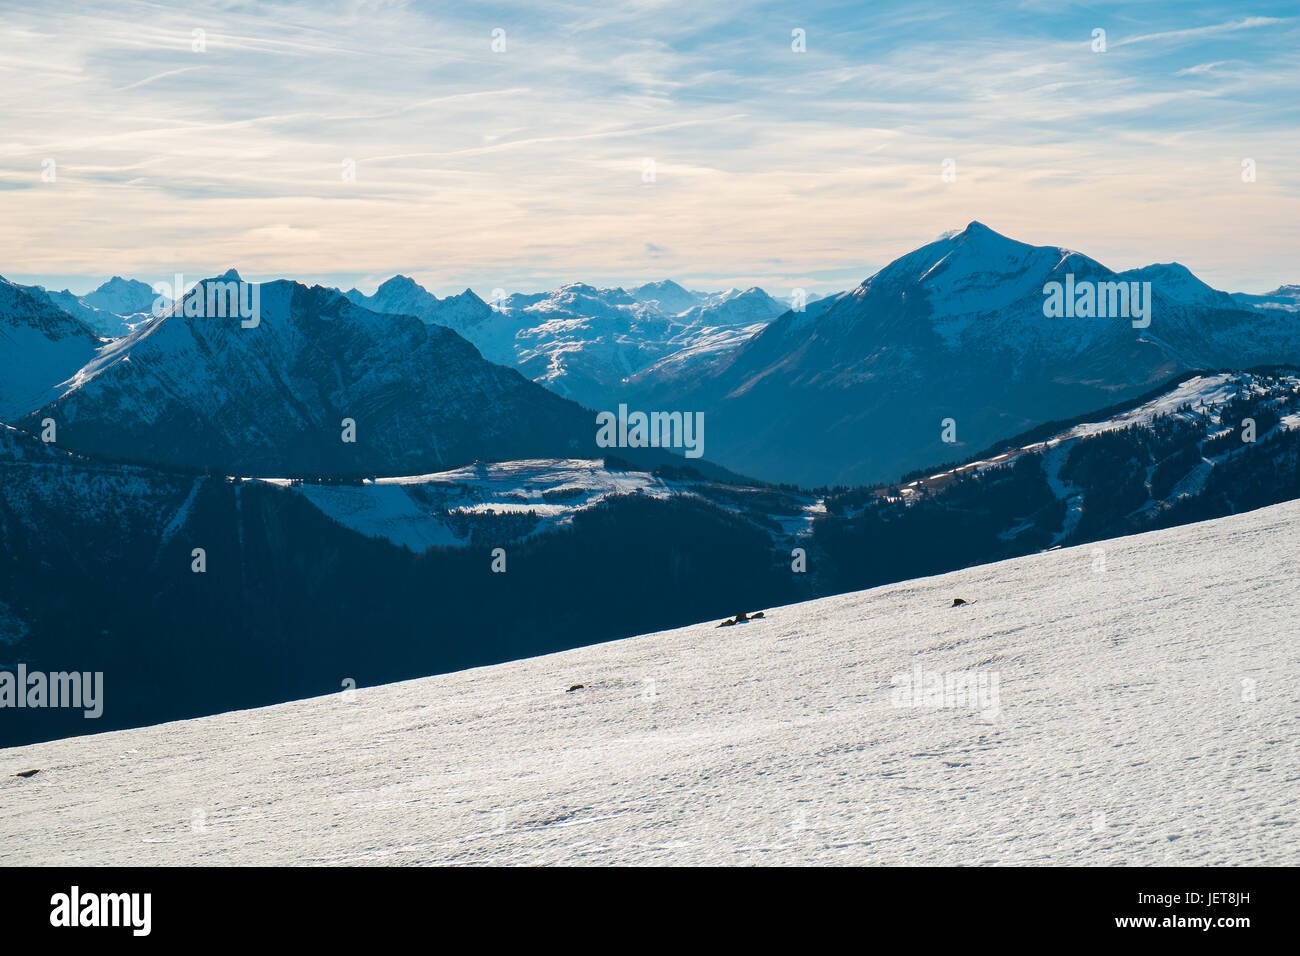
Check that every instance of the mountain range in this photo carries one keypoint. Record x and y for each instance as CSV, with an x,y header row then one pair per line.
x,y
111,310
943,351
203,392
949,346
581,341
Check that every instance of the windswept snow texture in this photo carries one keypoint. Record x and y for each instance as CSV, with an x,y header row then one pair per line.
x,y
1145,714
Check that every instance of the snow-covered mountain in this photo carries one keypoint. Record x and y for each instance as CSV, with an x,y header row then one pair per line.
x,y
400,295
277,397
857,388
40,347
112,310
582,341
735,307
123,297
1068,715
104,324
668,297
719,331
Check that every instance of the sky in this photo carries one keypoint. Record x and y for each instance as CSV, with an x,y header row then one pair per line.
x,y
520,146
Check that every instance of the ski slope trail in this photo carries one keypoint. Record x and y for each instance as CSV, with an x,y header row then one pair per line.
x,y
1130,702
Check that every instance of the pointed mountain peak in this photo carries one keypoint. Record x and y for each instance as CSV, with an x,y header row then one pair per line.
x,y
663,285
975,271
230,275
1169,269
400,282
978,234
974,230
668,295
121,297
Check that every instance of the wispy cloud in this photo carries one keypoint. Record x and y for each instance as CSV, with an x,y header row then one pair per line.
x,y
1195,33
351,139
1201,68
157,76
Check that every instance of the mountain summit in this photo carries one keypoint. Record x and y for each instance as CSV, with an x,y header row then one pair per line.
x,y
122,297
859,388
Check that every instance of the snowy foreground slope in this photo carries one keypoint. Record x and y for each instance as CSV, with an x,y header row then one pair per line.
x,y
1146,712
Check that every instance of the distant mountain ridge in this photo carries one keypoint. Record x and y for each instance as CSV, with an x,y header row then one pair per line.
x,y
1285,297
123,297
347,471
582,341
111,310
401,295
853,388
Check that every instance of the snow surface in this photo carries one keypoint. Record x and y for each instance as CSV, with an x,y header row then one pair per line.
x,y
1146,714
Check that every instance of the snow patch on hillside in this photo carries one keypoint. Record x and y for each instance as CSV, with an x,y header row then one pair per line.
x,y
419,511
414,511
